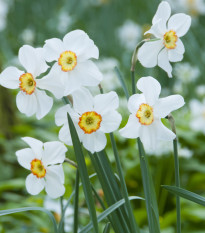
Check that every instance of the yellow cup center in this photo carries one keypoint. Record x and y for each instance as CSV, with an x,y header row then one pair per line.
x,y
89,122
170,39
145,114
37,168
27,83
67,61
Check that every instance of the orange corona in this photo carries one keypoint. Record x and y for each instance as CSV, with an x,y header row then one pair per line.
x,y
145,114
90,122
37,168
67,61
27,83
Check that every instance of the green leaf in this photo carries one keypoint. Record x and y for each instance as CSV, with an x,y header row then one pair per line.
x,y
185,194
107,212
75,224
12,211
122,81
83,173
107,228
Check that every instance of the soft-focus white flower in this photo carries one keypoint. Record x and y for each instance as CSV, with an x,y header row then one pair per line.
x,y
198,115
192,7
92,117
64,21
55,206
129,34
169,47
4,7
73,64
28,36
44,160
30,100
200,90
186,72
147,109
185,152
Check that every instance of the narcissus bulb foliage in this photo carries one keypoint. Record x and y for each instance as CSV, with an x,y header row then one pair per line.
x,y
30,100
169,47
146,110
92,117
44,160
73,64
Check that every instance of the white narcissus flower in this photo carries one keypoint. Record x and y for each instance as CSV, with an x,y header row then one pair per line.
x,y
92,117
147,109
198,115
73,64
30,100
169,47
44,160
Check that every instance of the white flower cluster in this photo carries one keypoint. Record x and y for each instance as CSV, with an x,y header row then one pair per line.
x,y
93,116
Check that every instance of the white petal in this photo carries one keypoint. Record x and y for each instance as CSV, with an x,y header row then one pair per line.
x,y
52,49
163,62
34,185
44,103
95,141
36,146
174,56
158,29
80,43
87,74
166,105
180,23
163,133
32,60
148,136
61,115
180,47
132,128
24,157
163,12
104,103
71,82
150,88
58,171
26,104
110,122
54,186
9,78
54,152
82,101
52,83
148,53
64,135
135,101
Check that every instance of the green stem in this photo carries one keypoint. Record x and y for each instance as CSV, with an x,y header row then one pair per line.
x,y
62,215
75,223
177,182
133,82
123,185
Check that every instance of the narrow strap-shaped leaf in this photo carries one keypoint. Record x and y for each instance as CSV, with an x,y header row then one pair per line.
x,y
107,212
12,211
122,81
75,222
60,227
107,228
83,173
185,194
134,227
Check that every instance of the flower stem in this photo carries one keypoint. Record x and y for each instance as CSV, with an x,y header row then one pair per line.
x,y
75,222
61,203
71,162
133,82
134,227
176,167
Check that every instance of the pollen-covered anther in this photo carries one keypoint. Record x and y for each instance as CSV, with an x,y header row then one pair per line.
x,y
67,61
27,83
37,168
90,122
145,114
170,39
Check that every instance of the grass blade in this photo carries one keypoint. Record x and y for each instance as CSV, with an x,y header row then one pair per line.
x,y
12,211
107,228
83,173
107,212
75,223
185,194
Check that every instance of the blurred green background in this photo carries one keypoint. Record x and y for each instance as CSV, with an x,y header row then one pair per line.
x,y
116,26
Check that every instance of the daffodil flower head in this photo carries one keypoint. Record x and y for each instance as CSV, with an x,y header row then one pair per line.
x,y
92,117
44,160
30,100
146,110
169,47
73,64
